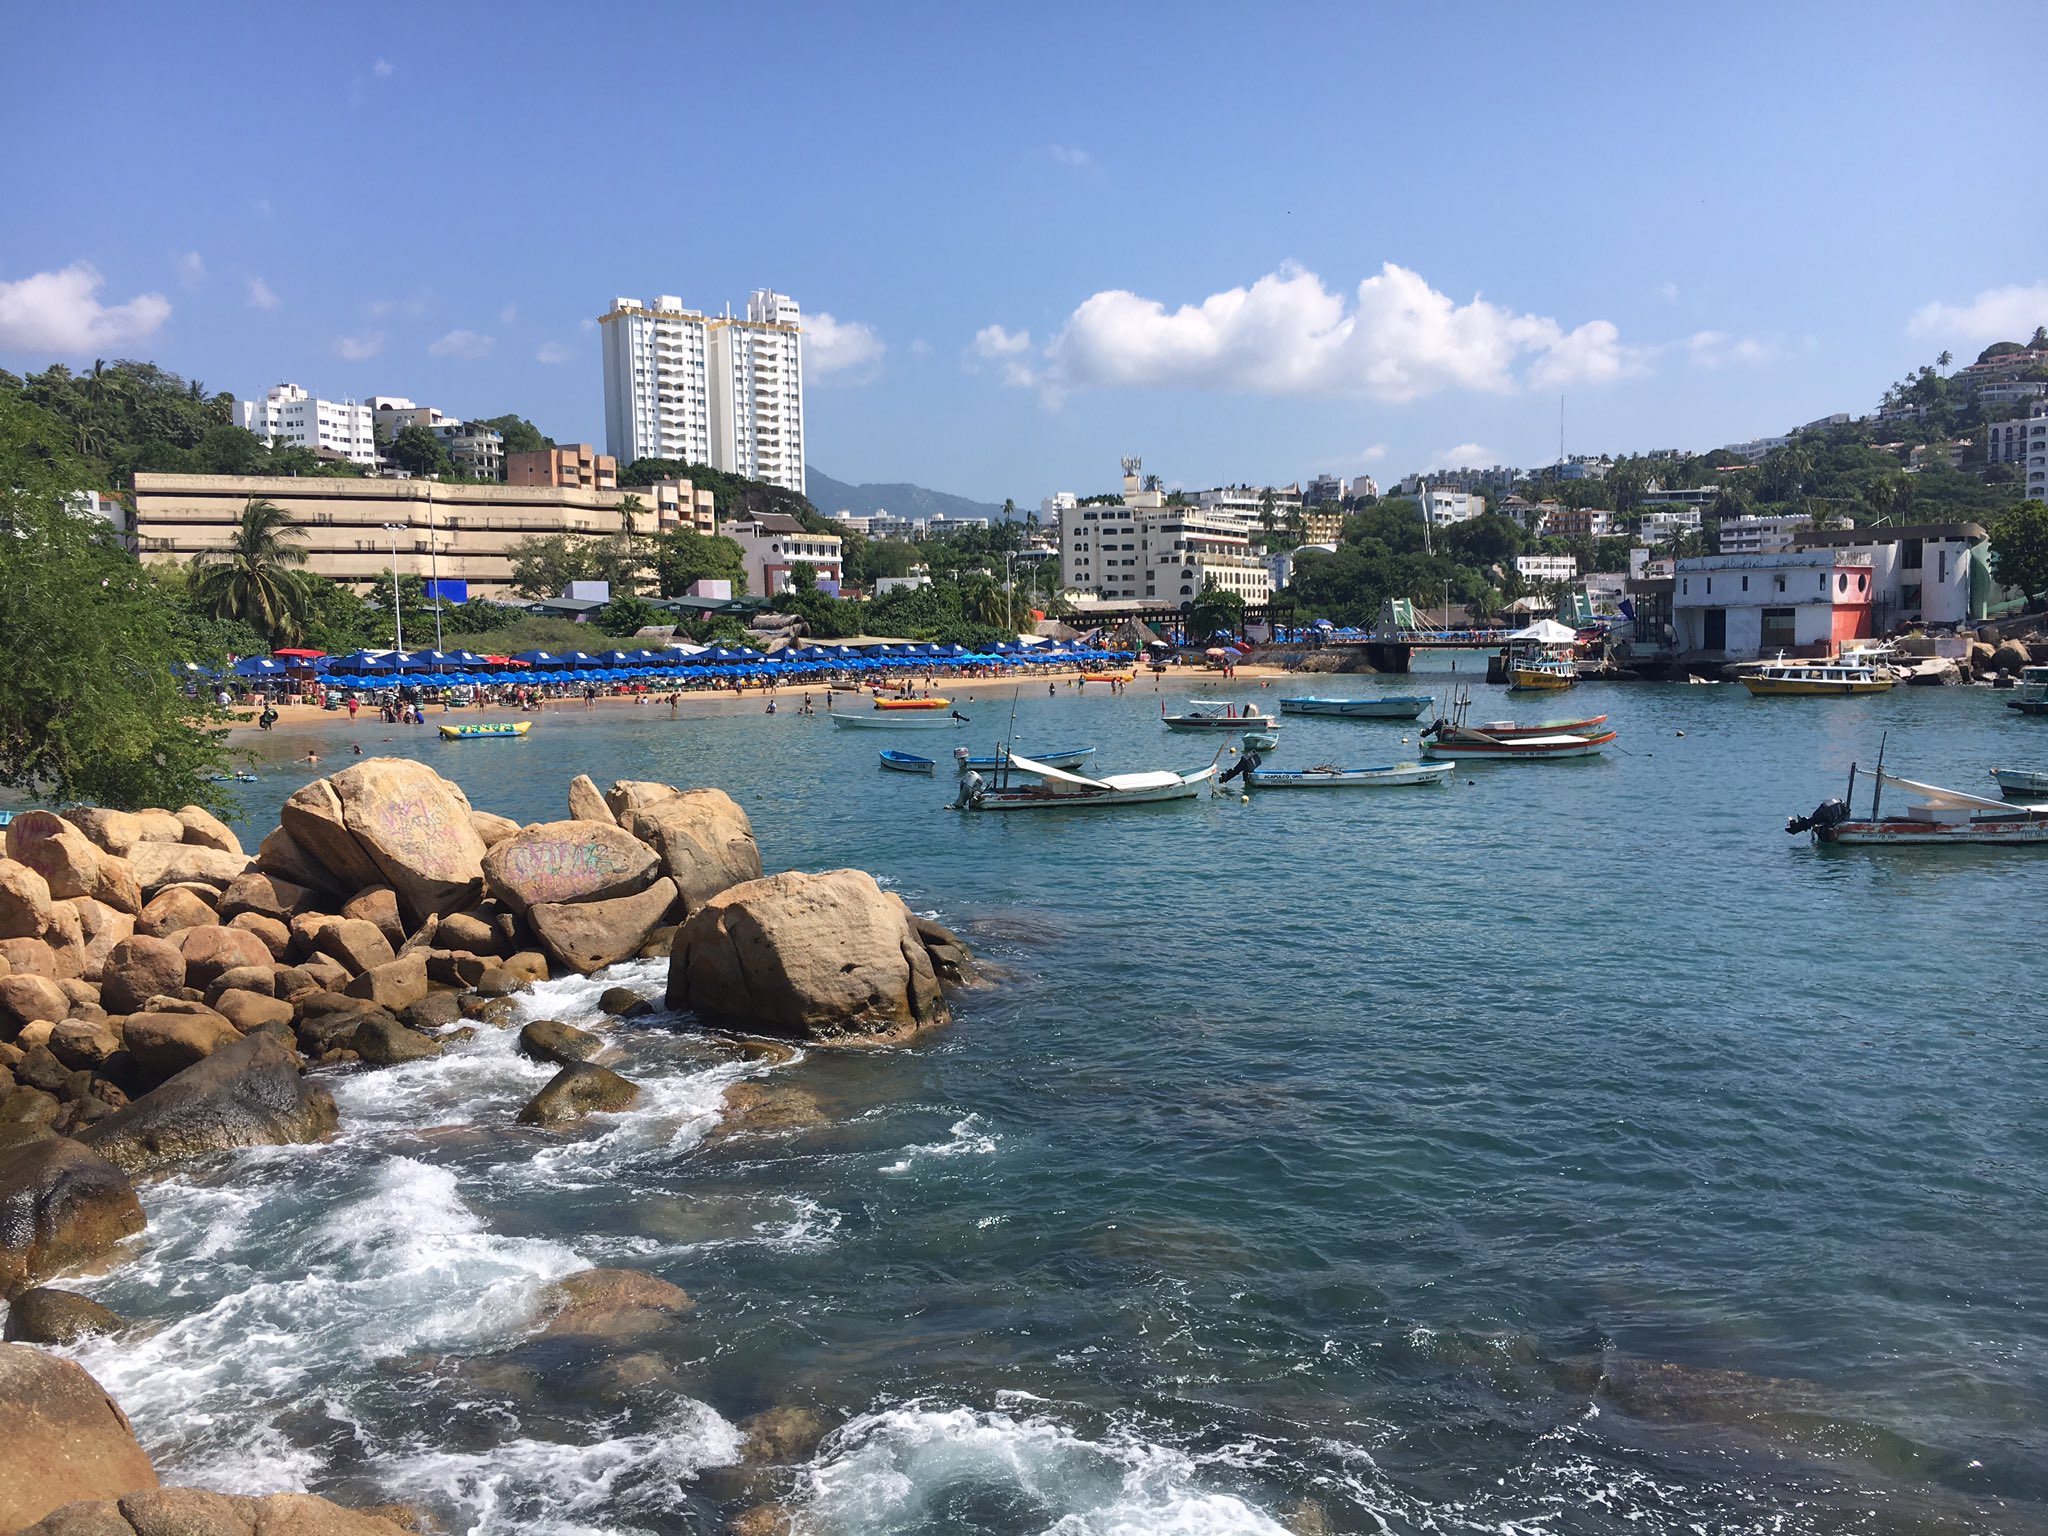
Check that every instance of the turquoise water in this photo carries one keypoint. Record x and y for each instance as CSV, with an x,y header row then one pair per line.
x,y
1564,1149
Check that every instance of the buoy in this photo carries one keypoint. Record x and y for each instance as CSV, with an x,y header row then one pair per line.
x,y
1244,799
1681,733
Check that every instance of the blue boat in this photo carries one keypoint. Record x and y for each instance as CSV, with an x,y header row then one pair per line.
x,y
907,762
1073,758
1386,706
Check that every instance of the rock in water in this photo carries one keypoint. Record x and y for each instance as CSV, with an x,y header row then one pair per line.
x,y
332,858
66,1439
578,1090
415,827
568,861
831,958
586,936
246,1094
61,1206
587,804
612,1304
47,1315
562,1044
196,1512
705,841
165,1044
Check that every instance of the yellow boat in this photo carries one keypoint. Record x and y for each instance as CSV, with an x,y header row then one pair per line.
x,y
500,728
1541,675
1817,679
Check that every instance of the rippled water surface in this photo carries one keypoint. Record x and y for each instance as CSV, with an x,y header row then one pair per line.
x,y
1566,1149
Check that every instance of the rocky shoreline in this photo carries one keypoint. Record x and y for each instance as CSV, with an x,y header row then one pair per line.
x,y
166,997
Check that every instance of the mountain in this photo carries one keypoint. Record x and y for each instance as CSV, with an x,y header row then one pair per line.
x,y
832,497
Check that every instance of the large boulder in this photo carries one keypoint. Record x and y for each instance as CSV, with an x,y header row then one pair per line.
x,y
563,1044
705,841
577,1090
280,854
117,885
212,951
24,901
56,850
175,908
61,1207
587,936
564,861
832,958
196,1512
378,906
28,957
2011,655
586,802
312,818
46,1315
83,1045
157,865
265,894
384,1042
395,984
355,943
159,826
100,928
24,998
165,1044
275,936
415,827
246,1094
249,1010
115,832
611,1304
492,830
138,969
203,829
629,795
65,1439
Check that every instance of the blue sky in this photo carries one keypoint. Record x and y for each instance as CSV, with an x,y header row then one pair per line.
x,y
1248,243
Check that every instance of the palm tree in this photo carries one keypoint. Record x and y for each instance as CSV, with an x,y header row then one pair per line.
x,y
253,577
982,602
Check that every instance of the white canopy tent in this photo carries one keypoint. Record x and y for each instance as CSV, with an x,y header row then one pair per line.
x,y
1546,632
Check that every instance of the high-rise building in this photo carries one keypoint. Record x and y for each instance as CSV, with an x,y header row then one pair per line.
x,y
707,389
339,428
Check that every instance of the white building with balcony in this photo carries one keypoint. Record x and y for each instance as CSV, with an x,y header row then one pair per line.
x,y
757,392
287,414
1547,567
1769,535
774,544
1445,507
657,381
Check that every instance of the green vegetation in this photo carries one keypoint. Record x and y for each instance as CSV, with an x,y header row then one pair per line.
x,y
255,579
683,556
2019,548
521,435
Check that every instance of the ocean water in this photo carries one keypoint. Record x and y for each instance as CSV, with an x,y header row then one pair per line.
x,y
1563,1149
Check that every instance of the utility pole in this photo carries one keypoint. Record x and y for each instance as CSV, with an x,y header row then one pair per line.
x,y
434,559
397,620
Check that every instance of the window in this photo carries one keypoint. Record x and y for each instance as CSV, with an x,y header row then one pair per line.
x,y
1745,583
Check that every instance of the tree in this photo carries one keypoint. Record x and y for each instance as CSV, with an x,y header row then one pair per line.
x,y
521,435
255,578
1214,613
627,615
1889,496
1944,360
683,556
90,708
543,565
2019,548
418,450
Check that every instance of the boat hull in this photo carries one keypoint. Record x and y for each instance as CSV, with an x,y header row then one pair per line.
x,y
1400,707
1045,798
907,762
1219,722
485,732
1805,688
913,704
2021,783
2019,832
899,721
1539,680
1509,730
1529,749
1393,776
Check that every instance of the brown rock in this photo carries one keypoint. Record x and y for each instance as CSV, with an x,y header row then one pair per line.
x,y
260,979
246,1094
26,998
24,901
275,936
355,943
66,1439
61,1207
831,958
577,1090
466,931
165,1044
562,1044
83,1044
611,1304
28,957
196,1512
115,832
46,1315
705,841
157,865
203,829
586,936
66,939
456,968
416,828
586,802
2011,656
138,969
629,795
279,854
378,906
39,1069
766,1109
528,966
779,1436
117,885
100,928
313,820
27,1114
491,830
384,1042
434,1012
210,951
158,826
395,984
265,894
568,861
171,910
251,1010
56,850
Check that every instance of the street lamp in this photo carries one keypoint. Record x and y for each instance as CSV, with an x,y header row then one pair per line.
x,y
397,620
1447,607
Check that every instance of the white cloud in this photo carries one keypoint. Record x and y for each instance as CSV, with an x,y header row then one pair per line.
x,y
57,312
841,346
589,326
551,352
191,268
1464,456
508,315
1071,155
993,341
464,344
1395,339
358,349
260,295
385,309
1997,314
920,348
1372,455
1668,291
1718,349
383,69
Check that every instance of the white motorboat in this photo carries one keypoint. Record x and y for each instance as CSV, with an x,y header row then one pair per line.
x,y
1331,777
1055,788
1935,818
899,720
2022,783
1385,706
1216,715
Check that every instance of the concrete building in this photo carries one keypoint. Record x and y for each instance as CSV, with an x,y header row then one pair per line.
x,y
1280,564
757,392
657,381
774,543
1758,448
1547,567
1055,506
1802,602
1322,488
1668,523
2012,391
392,414
1930,573
1444,507
476,449
1245,503
1322,524
1365,488
938,525
1532,516
675,504
339,429
460,533
1144,550
578,467
1579,523
1768,535
2036,465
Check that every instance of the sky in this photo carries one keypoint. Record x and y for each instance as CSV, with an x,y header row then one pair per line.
x,y
1248,243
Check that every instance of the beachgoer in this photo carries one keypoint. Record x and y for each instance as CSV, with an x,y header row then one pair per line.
x,y
310,757
353,706
356,747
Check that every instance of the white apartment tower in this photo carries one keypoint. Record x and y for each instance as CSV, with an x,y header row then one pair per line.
x,y
657,390
289,415
707,389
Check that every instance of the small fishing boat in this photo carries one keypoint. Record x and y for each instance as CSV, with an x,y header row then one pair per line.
x,y
496,728
1514,730
908,762
898,720
913,703
1069,759
2022,783
1262,741
1938,817
2032,695
1056,789
1541,674
1392,706
1451,737
1216,715
239,776
1329,776
1840,678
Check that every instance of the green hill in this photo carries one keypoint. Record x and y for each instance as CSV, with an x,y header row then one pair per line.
x,y
833,497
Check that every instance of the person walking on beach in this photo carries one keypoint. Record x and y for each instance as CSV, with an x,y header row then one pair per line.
x,y
353,706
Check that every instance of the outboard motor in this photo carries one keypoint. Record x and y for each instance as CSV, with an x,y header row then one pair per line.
x,y
1826,816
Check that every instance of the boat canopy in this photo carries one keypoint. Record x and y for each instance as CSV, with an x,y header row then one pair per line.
x,y
1546,632
1935,795
1047,771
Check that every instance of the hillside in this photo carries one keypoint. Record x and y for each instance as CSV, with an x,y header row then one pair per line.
x,y
833,497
